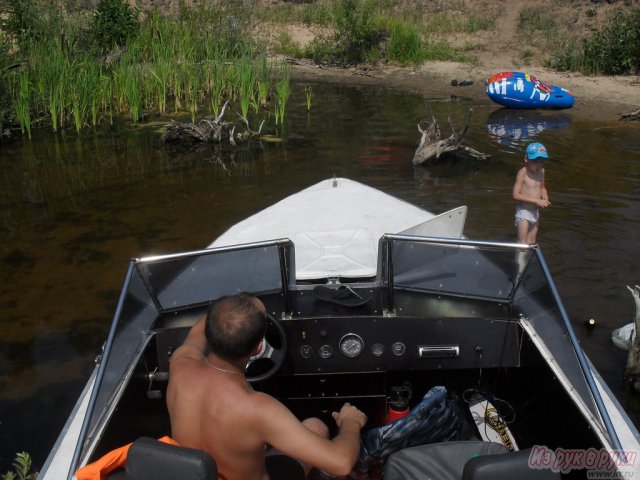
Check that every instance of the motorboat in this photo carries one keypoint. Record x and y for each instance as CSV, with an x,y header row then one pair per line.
x,y
365,293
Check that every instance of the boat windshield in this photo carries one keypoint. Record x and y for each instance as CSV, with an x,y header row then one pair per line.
x,y
505,273
508,274
157,285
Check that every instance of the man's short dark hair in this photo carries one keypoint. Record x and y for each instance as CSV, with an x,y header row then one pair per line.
x,y
235,324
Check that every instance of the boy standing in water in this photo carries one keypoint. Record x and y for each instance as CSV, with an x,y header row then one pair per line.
x,y
530,192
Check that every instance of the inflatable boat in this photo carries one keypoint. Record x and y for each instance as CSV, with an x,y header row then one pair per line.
x,y
521,90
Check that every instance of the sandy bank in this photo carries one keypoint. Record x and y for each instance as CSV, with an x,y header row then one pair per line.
x,y
601,98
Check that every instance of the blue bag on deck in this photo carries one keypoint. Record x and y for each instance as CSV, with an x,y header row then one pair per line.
x,y
437,418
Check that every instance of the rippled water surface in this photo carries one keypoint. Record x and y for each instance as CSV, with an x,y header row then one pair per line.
x,y
74,210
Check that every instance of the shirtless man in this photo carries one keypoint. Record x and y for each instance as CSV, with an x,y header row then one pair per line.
x,y
530,192
213,408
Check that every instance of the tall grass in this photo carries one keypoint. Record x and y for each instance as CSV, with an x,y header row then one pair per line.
x,y
247,84
192,89
404,45
217,87
263,81
84,90
22,103
283,91
308,93
201,56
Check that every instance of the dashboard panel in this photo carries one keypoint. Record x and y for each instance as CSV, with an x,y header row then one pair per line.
x,y
337,344
370,344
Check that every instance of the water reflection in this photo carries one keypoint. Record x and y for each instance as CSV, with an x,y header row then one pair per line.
x,y
515,128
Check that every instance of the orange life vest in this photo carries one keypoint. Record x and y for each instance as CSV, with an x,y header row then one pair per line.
x,y
101,468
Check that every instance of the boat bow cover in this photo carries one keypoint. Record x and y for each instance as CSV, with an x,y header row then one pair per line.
x,y
335,226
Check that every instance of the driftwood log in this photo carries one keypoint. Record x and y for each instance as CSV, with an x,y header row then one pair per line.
x,y
632,371
630,116
431,144
210,129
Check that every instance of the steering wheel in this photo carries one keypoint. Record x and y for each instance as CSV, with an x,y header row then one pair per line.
x,y
268,361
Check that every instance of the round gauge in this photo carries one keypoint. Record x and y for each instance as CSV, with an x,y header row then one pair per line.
x,y
306,351
377,349
351,345
326,351
398,348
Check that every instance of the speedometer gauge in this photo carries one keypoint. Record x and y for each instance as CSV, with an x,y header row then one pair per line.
x,y
351,345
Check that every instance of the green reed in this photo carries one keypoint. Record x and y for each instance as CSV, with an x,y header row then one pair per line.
x,y
231,79
176,80
308,96
160,71
87,87
133,91
263,81
79,88
283,91
192,89
203,54
51,67
247,83
22,103
96,98
217,87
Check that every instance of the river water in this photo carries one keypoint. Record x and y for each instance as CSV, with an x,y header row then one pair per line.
x,y
74,209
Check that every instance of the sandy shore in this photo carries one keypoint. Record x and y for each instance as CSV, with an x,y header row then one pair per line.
x,y
600,98
597,97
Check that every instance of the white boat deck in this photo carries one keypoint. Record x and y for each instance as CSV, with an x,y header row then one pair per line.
x,y
335,226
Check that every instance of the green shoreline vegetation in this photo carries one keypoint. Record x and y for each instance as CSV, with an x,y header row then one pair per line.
x,y
65,65
22,469
80,68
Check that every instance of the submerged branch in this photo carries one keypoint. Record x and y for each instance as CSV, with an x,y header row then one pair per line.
x,y
432,146
630,116
210,129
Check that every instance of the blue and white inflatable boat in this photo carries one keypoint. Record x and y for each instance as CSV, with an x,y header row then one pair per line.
x,y
521,90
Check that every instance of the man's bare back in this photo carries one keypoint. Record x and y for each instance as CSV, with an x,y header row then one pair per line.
x,y
215,411
213,408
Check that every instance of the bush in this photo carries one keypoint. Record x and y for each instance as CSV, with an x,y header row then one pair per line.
x,y
355,33
568,57
404,45
114,23
19,19
615,49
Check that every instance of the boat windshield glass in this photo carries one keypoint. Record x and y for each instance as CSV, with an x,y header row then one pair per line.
x,y
184,281
485,272
169,283
494,272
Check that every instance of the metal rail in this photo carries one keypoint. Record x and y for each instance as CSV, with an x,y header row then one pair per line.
x,y
100,373
582,361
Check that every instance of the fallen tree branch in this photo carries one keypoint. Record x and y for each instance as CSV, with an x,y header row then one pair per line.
x,y
210,129
432,146
630,116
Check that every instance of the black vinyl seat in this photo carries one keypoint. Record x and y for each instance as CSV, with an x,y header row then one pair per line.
x,y
149,459
465,460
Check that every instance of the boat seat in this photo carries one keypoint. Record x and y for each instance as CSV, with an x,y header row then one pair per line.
x,y
149,459
466,460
